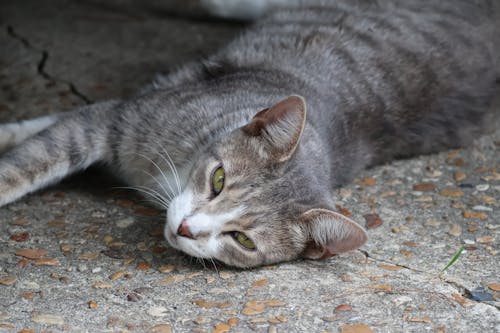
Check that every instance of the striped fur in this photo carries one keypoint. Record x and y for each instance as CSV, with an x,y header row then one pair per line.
x,y
382,79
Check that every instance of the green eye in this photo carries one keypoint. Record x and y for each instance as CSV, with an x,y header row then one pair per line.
x,y
244,240
218,180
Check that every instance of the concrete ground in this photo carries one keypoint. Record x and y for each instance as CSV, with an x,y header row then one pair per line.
x,y
85,257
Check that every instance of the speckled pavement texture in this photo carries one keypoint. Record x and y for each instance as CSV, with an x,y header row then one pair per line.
x,y
84,256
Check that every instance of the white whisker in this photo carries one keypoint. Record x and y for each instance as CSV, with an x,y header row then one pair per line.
x,y
173,168
170,194
215,265
162,201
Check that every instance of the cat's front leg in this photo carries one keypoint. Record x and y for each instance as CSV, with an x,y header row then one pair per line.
x,y
69,143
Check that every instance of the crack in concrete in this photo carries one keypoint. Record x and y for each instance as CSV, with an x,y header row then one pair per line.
x,y
42,63
367,255
462,290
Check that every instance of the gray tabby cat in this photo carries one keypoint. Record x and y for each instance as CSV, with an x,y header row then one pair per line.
x,y
382,79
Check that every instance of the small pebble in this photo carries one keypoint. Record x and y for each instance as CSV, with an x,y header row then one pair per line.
x,y
96,270
455,230
482,187
158,311
48,319
433,223
402,300
133,297
125,223
272,329
482,208
92,305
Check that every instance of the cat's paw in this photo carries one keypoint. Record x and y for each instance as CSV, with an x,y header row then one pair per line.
x,y
7,140
12,134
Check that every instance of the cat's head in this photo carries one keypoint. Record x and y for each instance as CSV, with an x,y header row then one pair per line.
x,y
253,198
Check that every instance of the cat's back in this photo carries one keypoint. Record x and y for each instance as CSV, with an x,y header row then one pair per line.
x,y
321,40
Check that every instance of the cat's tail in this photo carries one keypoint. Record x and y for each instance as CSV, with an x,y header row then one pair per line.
x,y
51,148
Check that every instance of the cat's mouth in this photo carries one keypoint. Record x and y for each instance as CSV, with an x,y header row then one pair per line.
x,y
183,240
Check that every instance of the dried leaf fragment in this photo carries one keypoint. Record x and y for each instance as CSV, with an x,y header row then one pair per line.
x,y
161,328
172,279
494,286
484,239
20,237
357,328
233,321
46,262
8,280
343,307
381,287
494,176
468,214
117,275
88,256
450,192
390,267
260,283
101,285
344,211
143,266
208,305
459,175
420,320
372,220
369,181
31,253
424,187
259,306
6,326
222,328
166,268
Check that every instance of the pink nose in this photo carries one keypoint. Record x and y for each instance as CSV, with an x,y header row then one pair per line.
x,y
184,230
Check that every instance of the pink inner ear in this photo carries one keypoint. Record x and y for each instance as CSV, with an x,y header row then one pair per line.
x,y
351,237
254,128
331,233
273,114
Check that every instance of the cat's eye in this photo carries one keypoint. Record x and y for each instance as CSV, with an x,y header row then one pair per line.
x,y
218,178
244,240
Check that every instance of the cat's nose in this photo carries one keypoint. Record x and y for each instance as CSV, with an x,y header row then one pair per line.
x,y
184,230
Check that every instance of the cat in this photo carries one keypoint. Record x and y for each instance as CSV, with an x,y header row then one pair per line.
x,y
245,148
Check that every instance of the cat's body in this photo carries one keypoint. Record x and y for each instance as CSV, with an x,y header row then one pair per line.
x,y
381,79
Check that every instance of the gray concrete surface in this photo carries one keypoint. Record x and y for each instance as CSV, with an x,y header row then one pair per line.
x,y
103,266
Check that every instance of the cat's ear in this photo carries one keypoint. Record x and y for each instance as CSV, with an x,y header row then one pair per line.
x,y
279,127
330,233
